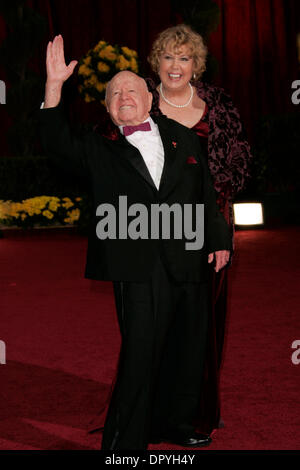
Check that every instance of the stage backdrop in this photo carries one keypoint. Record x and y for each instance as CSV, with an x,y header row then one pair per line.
x,y
255,45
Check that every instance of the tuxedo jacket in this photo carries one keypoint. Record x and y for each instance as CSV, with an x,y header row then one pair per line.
x,y
116,168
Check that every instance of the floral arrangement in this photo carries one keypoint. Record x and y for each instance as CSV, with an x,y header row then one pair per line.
x,y
41,211
99,65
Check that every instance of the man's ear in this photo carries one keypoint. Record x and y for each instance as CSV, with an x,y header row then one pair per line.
x,y
150,99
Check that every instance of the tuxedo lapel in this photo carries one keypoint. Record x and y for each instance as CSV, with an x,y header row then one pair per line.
x,y
174,160
173,156
134,157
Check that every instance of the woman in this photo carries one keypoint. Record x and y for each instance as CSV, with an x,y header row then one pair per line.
x,y
178,57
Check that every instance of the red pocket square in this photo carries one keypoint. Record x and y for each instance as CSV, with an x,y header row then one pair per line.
x,y
191,160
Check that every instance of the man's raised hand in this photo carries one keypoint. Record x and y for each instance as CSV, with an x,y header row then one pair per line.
x,y
57,71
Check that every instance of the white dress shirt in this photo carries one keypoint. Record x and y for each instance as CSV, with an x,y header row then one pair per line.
x,y
150,145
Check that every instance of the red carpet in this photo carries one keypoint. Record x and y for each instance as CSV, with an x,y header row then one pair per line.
x,y
62,344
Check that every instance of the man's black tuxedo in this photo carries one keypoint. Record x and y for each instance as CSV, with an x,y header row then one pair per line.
x,y
160,287
113,168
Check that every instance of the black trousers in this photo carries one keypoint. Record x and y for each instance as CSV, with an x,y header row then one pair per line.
x,y
163,326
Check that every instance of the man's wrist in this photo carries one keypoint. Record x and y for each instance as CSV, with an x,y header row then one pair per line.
x,y
52,93
54,83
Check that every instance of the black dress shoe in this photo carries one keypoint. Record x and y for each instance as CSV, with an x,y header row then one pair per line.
x,y
155,439
194,440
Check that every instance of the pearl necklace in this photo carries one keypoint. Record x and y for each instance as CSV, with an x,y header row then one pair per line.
x,y
177,105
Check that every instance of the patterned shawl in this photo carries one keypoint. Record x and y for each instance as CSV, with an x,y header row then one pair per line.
x,y
228,150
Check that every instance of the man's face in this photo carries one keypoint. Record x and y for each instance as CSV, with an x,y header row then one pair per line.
x,y
128,100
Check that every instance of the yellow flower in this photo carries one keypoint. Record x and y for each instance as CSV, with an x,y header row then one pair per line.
x,y
108,53
73,216
33,206
100,87
122,63
103,59
40,202
102,67
15,209
67,203
129,52
92,81
54,204
84,70
87,60
47,214
134,65
4,210
88,98
44,205
99,46
29,207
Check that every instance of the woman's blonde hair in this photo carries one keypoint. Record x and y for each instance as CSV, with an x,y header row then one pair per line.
x,y
175,37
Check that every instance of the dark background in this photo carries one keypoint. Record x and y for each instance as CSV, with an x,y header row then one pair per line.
x,y
254,58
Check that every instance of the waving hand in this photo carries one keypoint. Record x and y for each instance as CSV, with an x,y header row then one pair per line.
x,y
57,71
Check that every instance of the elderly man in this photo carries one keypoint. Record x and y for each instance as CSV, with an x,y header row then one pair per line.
x,y
161,281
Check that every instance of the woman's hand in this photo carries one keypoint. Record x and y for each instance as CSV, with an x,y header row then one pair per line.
x,y
57,71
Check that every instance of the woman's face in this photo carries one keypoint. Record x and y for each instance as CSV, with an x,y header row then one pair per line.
x,y
176,67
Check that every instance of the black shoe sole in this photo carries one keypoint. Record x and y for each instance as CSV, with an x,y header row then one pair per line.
x,y
179,443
